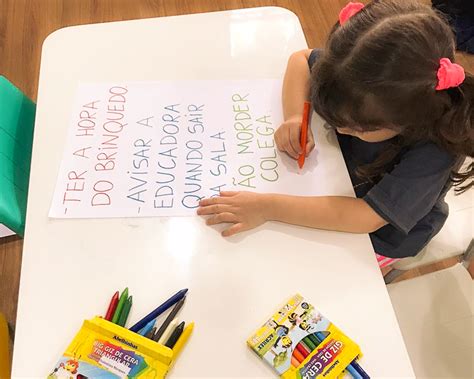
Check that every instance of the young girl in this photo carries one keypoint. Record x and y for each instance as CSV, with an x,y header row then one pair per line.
x,y
403,114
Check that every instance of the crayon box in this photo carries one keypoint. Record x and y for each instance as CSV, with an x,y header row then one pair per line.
x,y
102,349
299,342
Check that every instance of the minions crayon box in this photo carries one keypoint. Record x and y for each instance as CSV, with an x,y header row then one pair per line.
x,y
299,342
102,349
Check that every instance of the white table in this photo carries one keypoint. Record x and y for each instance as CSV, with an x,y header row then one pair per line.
x,y
71,267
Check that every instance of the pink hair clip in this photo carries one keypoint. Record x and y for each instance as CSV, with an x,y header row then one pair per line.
x,y
348,11
449,74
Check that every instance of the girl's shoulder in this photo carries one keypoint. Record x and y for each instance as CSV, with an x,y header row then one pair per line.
x,y
428,156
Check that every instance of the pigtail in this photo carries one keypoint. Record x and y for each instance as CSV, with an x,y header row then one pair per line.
x,y
455,131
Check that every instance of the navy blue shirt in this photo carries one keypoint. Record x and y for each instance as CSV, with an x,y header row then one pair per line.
x,y
410,197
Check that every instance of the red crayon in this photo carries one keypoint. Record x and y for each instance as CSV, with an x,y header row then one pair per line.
x,y
112,306
302,350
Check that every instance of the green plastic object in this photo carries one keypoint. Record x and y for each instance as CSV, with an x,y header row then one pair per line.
x,y
17,118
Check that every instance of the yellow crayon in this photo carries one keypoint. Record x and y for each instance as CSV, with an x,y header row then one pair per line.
x,y
182,340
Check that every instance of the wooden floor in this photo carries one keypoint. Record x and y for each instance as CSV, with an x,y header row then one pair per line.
x,y
24,24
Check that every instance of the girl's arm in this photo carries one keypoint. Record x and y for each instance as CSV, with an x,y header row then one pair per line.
x,y
295,92
296,84
247,210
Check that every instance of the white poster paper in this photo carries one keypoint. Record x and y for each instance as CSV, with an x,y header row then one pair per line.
x,y
142,149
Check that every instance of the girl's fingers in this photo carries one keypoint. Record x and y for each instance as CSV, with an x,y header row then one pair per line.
x,y
294,138
212,209
220,218
228,193
309,147
212,201
310,143
234,229
276,137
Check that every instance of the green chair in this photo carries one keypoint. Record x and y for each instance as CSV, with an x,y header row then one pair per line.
x,y
17,116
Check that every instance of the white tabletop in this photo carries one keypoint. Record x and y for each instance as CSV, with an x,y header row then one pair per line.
x,y
71,267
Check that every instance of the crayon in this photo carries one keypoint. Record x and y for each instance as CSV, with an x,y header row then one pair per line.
x,y
118,310
144,331
178,346
112,306
168,319
359,369
309,344
302,350
169,330
297,354
314,340
304,134
294,362
151,333
175,335
162,308
125,312
350,368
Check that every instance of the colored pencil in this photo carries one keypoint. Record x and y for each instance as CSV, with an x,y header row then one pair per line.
x,y
112,306
118,310
302,350
175,335
162,308
297,354
168,319
144,331
167,334
125,312
178,346
304,133
151,333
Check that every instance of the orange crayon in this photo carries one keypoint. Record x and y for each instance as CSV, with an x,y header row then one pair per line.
x,y
294,362
304,133
297,354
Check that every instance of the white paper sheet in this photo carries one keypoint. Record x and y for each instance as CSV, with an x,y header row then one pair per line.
x,y
155,148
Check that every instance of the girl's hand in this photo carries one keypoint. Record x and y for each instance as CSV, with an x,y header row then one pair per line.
x,y
245,210
287,137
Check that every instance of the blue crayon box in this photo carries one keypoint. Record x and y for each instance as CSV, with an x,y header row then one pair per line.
x,y
299,342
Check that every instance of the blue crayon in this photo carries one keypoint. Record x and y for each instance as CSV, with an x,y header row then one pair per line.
x,y
158,311
354,368
360,370
353,372
147,328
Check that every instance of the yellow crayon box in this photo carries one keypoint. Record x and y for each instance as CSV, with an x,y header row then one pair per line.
x,y
103,350
298,342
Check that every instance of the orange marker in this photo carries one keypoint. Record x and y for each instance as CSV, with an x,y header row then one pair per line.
x,y
304,133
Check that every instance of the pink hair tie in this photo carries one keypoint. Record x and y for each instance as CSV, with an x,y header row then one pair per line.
x,y
449,74
348,11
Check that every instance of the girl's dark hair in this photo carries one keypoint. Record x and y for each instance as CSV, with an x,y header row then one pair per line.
x,y
379,70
